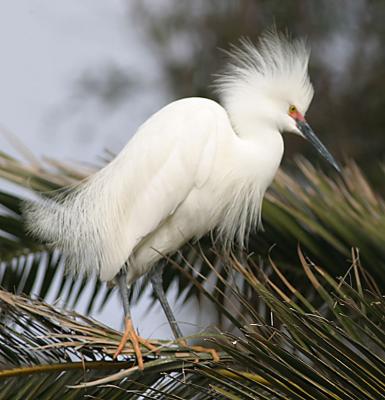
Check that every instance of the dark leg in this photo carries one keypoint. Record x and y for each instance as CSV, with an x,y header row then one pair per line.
x,y
124,292
129,331
157,283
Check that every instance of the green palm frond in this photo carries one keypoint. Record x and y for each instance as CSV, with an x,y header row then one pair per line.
x,y
28,266
289,348
326,215
279,346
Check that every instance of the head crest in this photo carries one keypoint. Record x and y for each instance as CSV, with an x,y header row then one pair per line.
x,y
276,67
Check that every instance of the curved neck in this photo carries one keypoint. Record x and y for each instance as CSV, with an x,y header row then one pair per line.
x,y
249,121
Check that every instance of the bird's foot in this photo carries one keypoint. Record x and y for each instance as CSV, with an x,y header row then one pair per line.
x,y
201,349
136,340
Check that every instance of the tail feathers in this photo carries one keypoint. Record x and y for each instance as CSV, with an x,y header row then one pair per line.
x,y
79,227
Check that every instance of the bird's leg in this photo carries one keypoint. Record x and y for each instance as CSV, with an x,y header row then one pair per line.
x,y
157,284
129,331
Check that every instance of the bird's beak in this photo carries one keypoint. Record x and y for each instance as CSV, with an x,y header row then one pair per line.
x,y
308,134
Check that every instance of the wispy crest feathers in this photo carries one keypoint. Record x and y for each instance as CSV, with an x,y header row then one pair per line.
x,y
275,67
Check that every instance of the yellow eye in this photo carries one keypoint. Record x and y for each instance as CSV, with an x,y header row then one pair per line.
x,y
292,109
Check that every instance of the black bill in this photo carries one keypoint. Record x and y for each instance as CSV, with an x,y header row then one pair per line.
x,y
308,133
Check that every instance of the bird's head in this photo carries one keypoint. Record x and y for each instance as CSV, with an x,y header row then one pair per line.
x,y
267,86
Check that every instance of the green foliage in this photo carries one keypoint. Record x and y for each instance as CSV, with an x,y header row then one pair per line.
x,y
28,266
282,346
325,215
293,333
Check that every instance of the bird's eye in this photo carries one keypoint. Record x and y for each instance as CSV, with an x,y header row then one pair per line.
x,y
292,109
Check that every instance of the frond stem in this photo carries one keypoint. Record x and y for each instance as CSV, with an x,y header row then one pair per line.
x,y
94,365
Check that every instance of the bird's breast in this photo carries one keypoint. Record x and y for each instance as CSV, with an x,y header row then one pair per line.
x,y
241,173
230,199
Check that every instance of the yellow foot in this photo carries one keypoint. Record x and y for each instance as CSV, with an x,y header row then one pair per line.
x,y
131,335
201,349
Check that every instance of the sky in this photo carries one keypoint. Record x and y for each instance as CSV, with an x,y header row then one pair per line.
x,y
45,47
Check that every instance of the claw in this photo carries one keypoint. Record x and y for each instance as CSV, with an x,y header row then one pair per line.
x,y
201,349
213,352
131,335
148,344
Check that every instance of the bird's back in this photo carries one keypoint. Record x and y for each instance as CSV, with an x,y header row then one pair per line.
x,y
103,219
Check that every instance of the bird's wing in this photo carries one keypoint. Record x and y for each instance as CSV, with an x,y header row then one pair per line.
x,y
106,217
171,154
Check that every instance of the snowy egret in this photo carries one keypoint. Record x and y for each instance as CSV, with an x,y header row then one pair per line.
x,y
194,166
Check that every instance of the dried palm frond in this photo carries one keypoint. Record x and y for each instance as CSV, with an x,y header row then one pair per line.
x,y
282,346
46,350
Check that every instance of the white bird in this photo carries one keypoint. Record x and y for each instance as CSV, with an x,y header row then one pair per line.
x,y
194,166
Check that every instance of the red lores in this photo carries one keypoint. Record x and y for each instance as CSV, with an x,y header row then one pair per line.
x,y
294,113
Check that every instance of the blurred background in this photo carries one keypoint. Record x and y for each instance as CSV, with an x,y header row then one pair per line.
x,y
77,78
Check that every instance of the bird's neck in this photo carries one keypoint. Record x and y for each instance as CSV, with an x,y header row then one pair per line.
x,y
260,148
260,134
249,124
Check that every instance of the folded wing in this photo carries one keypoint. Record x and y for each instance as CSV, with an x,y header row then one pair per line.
x,y
98,224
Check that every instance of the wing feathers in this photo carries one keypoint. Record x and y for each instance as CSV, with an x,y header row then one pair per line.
x,y
99,224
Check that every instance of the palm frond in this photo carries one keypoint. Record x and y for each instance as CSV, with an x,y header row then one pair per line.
x,y
326,215
279,346
44,350
288,348
26,265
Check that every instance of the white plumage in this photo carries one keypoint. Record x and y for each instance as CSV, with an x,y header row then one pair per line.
x,y
192,167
